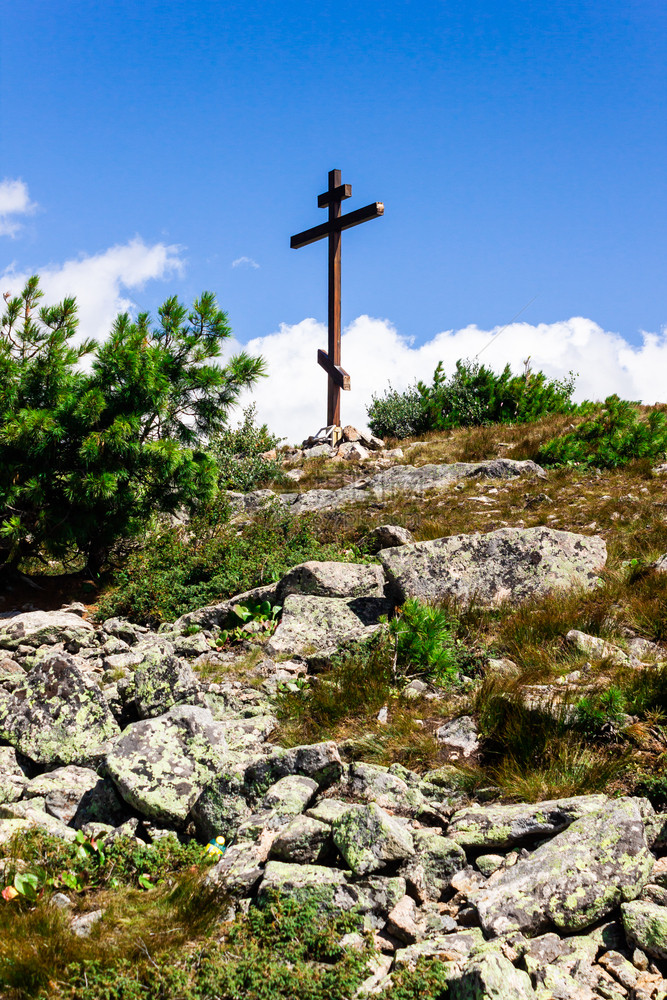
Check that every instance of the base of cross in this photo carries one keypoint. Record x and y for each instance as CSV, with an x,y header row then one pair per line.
x,y
332,435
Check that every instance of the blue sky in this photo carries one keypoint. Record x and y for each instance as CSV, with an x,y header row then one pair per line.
x,y
519,149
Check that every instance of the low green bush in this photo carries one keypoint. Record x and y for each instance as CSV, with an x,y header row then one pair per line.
x,y
614,433
180,569
239,455
472,395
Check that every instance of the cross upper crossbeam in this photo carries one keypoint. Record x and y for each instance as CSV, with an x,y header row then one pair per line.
x,y
332,229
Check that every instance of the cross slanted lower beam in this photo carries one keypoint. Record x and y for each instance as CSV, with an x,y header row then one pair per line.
x,y
332,198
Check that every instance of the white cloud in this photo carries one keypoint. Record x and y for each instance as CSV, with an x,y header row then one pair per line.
x,y
101,282
14,200
245,262
292,400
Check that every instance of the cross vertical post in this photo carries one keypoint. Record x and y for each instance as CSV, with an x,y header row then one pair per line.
x,y
332,230
334,351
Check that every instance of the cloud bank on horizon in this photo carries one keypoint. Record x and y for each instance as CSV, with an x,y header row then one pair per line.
x,y
292,400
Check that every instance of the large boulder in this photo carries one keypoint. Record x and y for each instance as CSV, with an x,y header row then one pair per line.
x,y
160,765
43,628
368,838
503,826
332,579
324,623
58,715
326,888
491,976
507,564
575,879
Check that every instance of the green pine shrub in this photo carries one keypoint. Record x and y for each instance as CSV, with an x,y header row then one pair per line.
x,y
473,395
424,642
614,433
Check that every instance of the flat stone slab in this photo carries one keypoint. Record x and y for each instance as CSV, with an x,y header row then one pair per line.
x,y
332,579
507,564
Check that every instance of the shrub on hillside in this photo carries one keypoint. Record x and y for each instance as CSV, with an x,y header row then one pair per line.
x,y
87,456
615,433
472,395
239,454
180,569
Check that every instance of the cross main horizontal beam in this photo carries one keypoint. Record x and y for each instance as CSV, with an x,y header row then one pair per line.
x,y
373,211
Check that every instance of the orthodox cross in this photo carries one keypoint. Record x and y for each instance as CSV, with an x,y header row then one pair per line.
x,y
331,199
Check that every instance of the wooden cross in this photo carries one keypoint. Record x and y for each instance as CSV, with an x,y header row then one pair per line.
x,y
332,198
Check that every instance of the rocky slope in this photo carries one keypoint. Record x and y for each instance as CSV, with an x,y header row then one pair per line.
x,y
113,728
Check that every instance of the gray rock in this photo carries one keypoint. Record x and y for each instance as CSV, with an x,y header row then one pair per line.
x,y
38,628
325,623
84,923
160,682
507,564
238,871
58,716
373,783
493,977
367,837
459,736
290,795
328,810
646,927
386,536
436,859
502,826
577,878
327,888
332,579
597,648
62,789
122,629
454,947
304,841
17,816
13,779
160,766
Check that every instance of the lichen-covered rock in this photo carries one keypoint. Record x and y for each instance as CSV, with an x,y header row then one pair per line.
x,y
12,776
373,783
507,564
160,766
490,976
455,947
436,859
386,536
31,815
646,927
368,837
597,648
77,795
43,628
160,682
327,888
459,736
304,841
290,795
239,870
332,579
501,826
575,879
324,623
58,715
